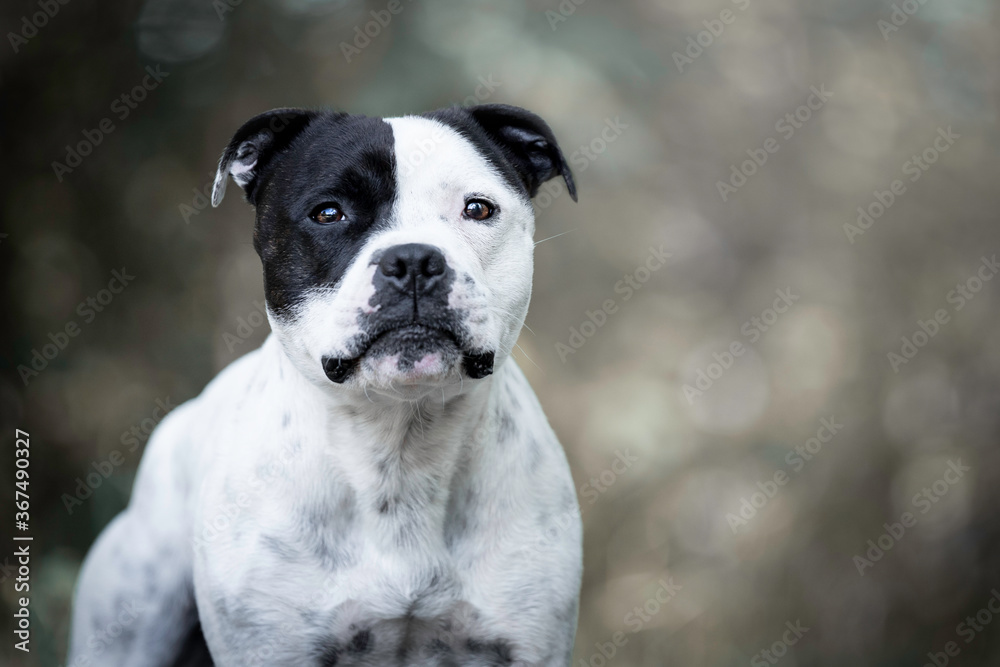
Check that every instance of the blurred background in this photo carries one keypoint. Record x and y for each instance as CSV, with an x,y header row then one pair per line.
x,y
766,335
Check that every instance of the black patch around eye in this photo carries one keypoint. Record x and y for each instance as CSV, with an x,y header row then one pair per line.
x,y
347,160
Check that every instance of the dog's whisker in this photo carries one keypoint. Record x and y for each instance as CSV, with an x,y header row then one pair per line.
x,y
527,357
508,313
556,236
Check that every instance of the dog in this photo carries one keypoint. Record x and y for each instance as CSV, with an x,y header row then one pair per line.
x,y
377,484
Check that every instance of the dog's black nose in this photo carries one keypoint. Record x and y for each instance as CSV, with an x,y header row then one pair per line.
x,y
412,267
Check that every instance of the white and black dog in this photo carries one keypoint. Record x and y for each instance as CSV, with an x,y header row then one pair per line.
x,y
377,484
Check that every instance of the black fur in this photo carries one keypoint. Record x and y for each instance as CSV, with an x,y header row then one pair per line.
x,y
319,157
194,651
515,141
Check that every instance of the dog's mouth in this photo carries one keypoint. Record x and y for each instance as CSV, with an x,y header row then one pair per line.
x,y
410,350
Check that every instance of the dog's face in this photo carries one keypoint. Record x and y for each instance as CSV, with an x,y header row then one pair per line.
x,y
397,252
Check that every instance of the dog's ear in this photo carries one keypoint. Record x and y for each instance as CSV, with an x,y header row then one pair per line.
x,y
528,143
253,145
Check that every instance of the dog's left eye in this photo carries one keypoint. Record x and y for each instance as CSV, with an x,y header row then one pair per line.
x,y
327,213
478,209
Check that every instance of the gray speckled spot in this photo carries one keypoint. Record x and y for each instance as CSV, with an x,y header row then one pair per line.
x,y
278,547
507,427
497,652
361,642
534,453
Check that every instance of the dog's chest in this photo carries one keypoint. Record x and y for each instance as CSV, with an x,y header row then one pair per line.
x,y
309,601
340,578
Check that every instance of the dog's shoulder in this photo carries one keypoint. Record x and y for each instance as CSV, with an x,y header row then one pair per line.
x,y
183,441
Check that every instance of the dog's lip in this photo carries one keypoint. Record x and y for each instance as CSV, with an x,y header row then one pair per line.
x,y
342,366
414,327
477,364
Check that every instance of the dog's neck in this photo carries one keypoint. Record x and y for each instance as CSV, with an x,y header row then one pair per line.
x,y
400,458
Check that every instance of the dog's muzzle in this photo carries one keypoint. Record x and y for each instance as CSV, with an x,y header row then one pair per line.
x,y
410,316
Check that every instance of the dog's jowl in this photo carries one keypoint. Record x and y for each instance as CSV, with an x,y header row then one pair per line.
x,y
360,490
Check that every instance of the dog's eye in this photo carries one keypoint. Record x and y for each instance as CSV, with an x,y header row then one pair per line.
x,y
328,213
478,209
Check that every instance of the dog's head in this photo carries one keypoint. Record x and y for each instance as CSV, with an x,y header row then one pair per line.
x,y
397,252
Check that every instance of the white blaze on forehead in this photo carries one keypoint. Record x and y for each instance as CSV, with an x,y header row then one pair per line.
x,y
433,156
437,169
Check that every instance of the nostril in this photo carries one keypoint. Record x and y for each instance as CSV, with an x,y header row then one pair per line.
x,y
433,264
393,266
412,262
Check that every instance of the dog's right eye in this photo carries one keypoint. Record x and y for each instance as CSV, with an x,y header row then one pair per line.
x,y
328,213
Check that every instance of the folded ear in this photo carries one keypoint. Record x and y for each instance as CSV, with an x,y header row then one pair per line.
x,y
528,143
254,145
